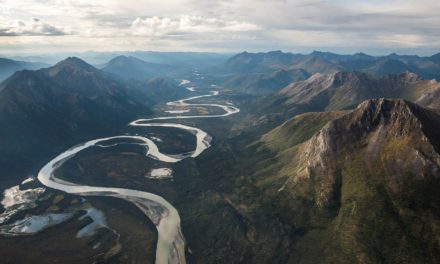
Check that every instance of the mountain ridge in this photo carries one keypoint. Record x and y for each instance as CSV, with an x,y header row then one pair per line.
x,y
345,89
327,62
323,183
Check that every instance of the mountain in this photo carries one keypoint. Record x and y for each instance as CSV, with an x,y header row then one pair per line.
x,y
389,66
264,73
332,92
333,57
265,83
326,62
254,62
347,187
346,89
263,62
8,67
134,68
44,111
182,59
256,73
260,62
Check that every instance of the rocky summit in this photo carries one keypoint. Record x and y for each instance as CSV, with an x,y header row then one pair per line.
x,y
365,176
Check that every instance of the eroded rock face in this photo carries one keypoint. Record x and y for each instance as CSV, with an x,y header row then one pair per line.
x,y
363,183
394,136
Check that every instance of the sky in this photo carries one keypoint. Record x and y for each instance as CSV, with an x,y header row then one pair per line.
x,y
343,26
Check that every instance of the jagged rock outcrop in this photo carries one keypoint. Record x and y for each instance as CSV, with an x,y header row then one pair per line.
x,y
375,125
365,183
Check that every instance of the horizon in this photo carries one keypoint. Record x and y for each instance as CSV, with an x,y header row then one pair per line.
x,y
57,57
76,26
308,52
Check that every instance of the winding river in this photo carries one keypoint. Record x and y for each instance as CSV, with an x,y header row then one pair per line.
x,y
170,243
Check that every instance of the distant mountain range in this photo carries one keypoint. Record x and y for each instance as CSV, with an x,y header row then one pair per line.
x,y
344,90
189,59
8,67
326,62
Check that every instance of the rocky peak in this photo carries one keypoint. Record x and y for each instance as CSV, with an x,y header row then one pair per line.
x,y
77,75
399,116
71,65
372,112
398,135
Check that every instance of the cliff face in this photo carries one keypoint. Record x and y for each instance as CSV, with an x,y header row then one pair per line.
x,y
395,137
361,188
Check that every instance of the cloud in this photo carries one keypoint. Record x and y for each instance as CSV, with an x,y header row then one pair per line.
x,y
165,26
255,25
34,27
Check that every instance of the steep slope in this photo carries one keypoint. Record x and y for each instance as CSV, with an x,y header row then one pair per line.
x,y
8,67
362,189
44,111
298,129
134,68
